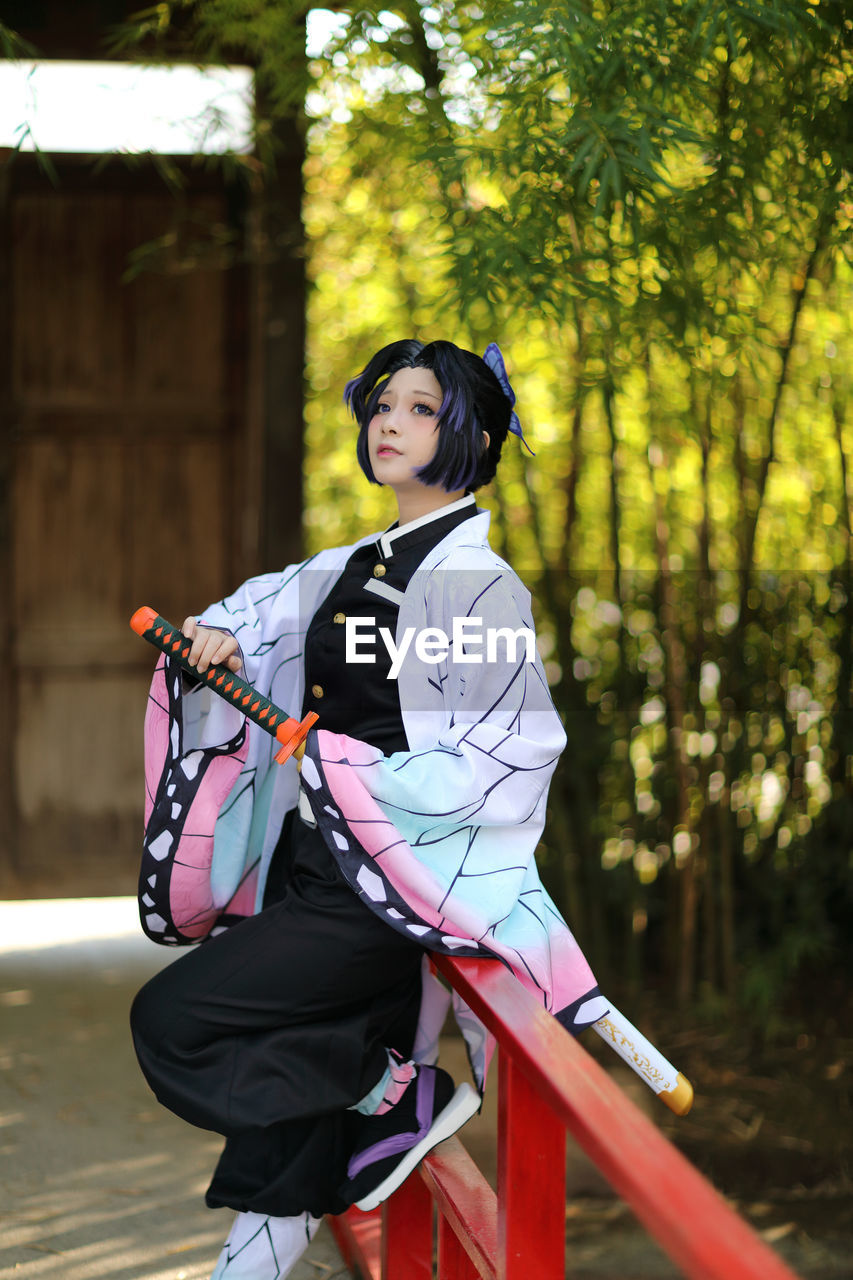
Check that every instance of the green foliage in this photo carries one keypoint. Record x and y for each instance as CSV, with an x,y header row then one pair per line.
x,y
650,205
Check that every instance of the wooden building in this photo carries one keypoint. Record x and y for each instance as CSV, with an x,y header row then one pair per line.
x,y
150,453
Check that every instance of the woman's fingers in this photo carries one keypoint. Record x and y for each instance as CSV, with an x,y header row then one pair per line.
x,y
201,641
226,653
210,647
197,634
219,648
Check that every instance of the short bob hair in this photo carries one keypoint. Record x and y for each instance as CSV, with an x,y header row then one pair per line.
x,y
473,402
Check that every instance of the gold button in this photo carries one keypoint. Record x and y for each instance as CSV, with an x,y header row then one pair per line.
x,y
379,571
339,618
317,690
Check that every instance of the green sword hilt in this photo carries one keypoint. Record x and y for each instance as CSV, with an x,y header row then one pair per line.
x,y
146,622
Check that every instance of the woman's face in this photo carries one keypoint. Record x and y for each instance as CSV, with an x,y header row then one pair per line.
x,y
402,435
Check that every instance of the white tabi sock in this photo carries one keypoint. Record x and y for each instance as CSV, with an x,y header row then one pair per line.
x,y
264,1248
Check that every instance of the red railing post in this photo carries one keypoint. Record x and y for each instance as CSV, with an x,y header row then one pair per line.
x,y
407,1233
359,1238
453,1261
466,1204
531,1181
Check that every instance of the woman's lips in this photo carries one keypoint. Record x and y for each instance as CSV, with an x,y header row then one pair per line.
x,y
386,449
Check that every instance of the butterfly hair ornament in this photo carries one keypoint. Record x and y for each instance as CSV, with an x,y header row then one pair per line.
x,y
494,359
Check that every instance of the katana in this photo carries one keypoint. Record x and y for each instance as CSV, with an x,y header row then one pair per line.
x,y
290,733
631,1045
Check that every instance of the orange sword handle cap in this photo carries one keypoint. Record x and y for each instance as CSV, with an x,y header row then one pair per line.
x,y
143,619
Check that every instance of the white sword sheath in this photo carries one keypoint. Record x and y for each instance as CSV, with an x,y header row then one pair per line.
x,y
649,1063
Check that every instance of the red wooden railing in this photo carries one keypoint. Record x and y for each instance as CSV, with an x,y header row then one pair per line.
x,y
547,1083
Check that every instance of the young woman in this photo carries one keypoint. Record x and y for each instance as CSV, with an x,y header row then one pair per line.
x,y
305,1028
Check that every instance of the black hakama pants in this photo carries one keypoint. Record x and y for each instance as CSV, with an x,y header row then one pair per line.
x,y
270,1031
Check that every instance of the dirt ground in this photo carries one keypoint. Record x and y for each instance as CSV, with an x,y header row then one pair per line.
x,y
100,1183
97,1181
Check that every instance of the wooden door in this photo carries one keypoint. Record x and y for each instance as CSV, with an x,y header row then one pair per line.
x,y
126,453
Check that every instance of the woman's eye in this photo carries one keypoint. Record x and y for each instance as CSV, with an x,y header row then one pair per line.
x,y
424,409
382,408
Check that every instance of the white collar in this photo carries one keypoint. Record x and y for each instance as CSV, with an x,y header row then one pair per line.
x,y
386,539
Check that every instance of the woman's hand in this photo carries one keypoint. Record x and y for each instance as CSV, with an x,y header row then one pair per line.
x,y
211,647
